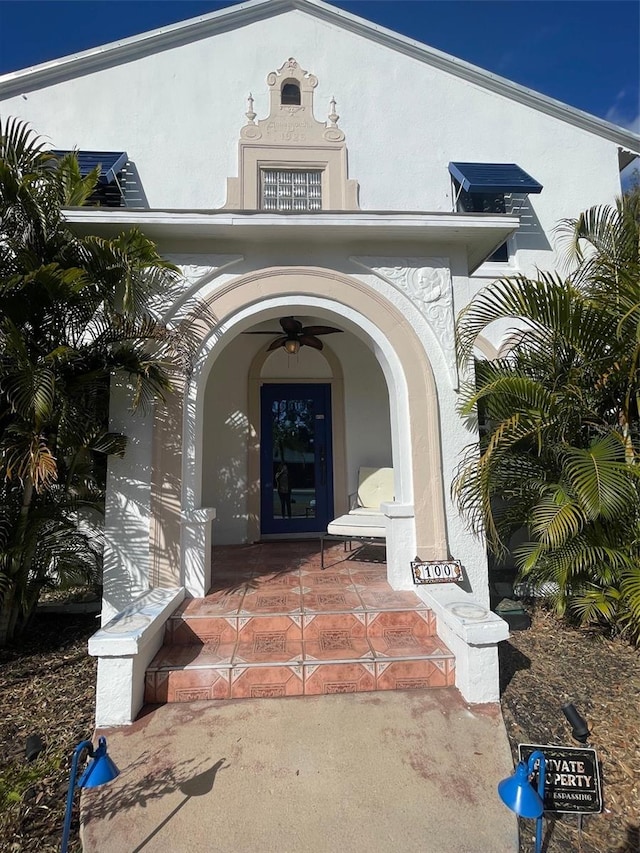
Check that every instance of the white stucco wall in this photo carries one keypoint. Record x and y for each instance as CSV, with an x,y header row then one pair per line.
x,y
127,507
178,112
368,429
226,433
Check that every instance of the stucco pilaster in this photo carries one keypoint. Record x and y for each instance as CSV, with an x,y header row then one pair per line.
x,y
166,490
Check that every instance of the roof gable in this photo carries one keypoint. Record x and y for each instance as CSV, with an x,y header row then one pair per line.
x,y
167,37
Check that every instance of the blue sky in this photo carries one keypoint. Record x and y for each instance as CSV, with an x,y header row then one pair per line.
x,y
583,52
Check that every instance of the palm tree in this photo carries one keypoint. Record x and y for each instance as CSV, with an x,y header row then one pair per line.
x,y
560,454
73,310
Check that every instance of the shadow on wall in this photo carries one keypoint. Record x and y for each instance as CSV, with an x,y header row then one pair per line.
x,y
229,467
132,188
127,541
530,235
166,492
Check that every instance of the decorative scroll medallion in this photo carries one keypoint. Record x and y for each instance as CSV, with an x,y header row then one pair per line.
x,y
427,283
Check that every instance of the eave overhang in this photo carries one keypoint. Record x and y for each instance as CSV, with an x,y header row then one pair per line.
x,y
478,233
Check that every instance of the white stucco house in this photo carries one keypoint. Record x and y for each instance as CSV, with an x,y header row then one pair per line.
x,y
296,161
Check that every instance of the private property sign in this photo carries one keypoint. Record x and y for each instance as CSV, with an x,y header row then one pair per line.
x,y
572,782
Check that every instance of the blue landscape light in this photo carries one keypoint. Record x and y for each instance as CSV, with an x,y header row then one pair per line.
x,y
519,795
99,771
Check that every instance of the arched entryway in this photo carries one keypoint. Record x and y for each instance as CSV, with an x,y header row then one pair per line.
x,y
383,327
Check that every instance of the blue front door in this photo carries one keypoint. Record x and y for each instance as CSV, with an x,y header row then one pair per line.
x,y
296,483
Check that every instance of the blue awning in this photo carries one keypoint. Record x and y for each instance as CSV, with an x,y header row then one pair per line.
x,y
110,162
493,177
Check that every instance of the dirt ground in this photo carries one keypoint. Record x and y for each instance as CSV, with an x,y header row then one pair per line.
x,y
46,688
551,664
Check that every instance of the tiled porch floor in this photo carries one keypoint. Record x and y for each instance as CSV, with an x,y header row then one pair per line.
x,y
275,624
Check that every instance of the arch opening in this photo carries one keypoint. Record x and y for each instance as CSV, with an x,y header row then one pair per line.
x,y
290,93
379,327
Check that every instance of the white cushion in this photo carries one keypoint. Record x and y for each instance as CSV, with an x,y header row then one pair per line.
x,y
375,486
358,525
366,510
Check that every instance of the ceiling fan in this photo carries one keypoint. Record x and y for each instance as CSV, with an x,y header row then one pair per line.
x,y
294,335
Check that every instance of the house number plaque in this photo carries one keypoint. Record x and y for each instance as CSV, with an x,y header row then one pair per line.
x,y
436,571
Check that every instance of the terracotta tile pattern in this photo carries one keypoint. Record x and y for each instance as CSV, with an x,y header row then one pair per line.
x,y
276,624
262,682
290,627
187,685
339,678
415,674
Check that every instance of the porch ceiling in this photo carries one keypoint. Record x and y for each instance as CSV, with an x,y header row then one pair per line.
x,y
478,233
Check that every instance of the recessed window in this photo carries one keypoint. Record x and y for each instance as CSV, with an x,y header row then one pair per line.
x,y
489,188
293,190
290,94
484,202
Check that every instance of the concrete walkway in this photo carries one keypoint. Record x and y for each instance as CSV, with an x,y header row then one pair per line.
x,y
375,772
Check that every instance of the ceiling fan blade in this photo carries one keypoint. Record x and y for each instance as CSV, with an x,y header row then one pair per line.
x,y
291,326
319,330
270,332
310,341
277,343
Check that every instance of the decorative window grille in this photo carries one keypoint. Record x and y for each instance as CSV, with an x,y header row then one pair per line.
x,y
291,190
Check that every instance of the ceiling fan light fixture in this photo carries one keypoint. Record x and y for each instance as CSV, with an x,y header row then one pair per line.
x,y
294,335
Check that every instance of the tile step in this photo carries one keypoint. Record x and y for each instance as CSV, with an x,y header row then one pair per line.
x,y
188,682
183,629
298,632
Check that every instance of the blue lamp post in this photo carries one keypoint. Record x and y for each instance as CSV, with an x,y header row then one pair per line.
x,y
100,770
518,793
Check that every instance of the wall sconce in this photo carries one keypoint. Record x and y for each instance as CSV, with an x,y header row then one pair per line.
x,y
100,770
519,795
292,346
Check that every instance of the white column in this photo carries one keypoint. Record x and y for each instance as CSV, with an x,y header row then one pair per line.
x,y
196,550
401,543
127,506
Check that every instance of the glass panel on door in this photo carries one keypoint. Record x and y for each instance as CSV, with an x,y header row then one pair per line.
x,y
295,458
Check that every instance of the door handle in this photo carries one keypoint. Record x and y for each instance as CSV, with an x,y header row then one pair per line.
x,y
323,467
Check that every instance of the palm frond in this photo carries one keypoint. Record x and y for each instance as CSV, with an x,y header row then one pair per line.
x,y
75,189
556,518
601,478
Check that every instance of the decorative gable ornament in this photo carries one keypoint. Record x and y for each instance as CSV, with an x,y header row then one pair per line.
x,y
291,138
288,122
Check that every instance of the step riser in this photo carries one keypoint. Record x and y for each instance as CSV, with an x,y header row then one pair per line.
x,y
279,680
297,631
300,627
